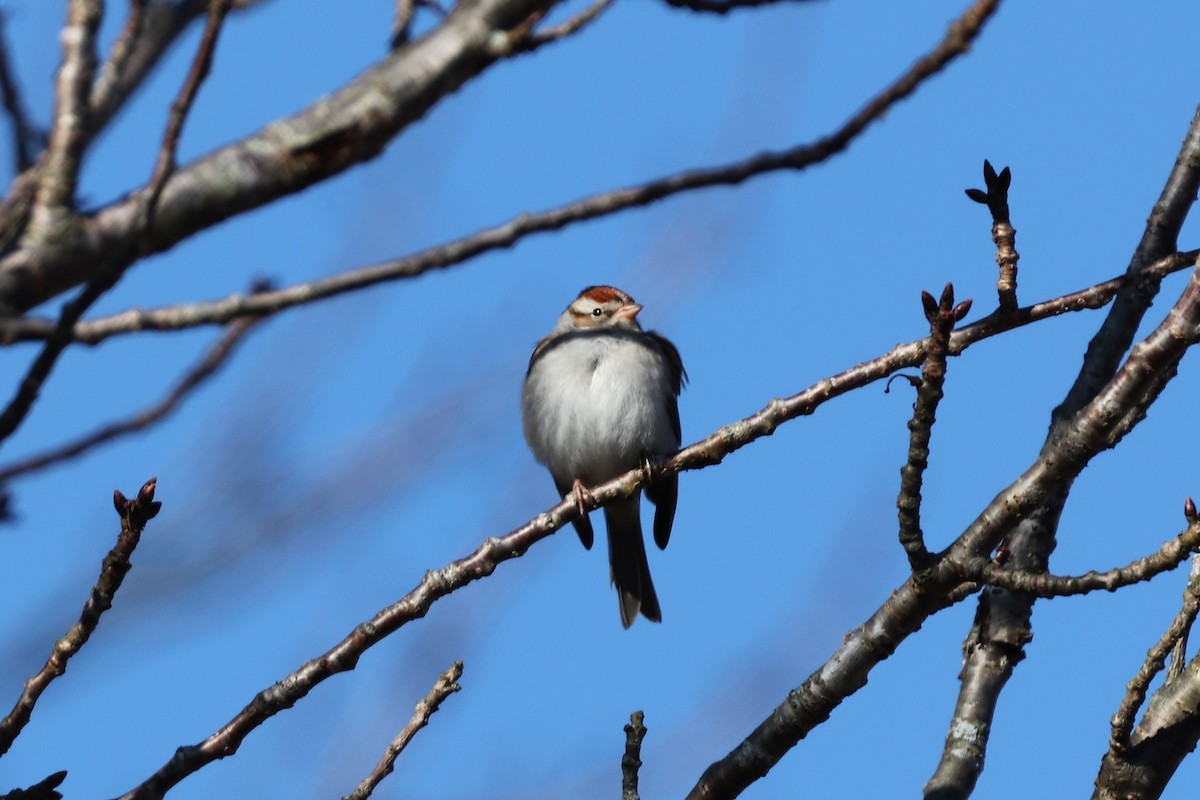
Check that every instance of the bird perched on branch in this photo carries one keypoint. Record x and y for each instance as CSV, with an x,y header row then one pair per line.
x,y
601,398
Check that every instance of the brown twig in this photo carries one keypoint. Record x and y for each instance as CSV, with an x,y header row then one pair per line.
x,y
1003,233
1170,555
446,685
631,762
553,33
165,163
195,377
134,516
942,316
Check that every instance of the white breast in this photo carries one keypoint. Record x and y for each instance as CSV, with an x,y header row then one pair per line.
x,y
596,404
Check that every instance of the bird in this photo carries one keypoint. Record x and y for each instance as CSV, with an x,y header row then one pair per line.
x,y
601,397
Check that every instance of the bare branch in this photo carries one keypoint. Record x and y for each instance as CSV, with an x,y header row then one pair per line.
x,y
447,684
552,33
631,762
941,317
134,516
195,377
1042,584
164,164
1003,233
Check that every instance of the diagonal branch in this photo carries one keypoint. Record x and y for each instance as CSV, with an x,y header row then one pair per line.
x,y
446,685
134,516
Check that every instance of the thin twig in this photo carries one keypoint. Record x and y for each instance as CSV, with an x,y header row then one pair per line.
x,y
1170,555
1003,233
446,685
134,516
165,163
553,33
941,315
631,762
204,369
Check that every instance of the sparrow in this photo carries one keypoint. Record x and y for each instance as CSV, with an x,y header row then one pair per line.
x,y
601,398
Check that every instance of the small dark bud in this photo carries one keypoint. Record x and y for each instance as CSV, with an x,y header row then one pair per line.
x,y
261,284
947,301
1189,510
1005,180
989,173
978,195
151,510
146,493
930,305
119,501
962,309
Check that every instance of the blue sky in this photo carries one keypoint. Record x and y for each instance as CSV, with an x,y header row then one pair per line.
x,y
352,446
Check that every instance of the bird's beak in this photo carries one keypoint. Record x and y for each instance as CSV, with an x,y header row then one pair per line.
x,y
628,311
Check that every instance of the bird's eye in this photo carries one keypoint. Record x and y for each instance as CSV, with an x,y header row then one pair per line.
x,y
597,312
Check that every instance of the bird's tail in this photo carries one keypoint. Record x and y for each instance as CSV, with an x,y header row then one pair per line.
x,y
627,559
